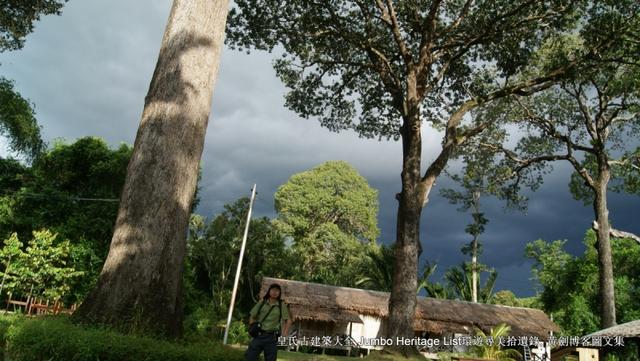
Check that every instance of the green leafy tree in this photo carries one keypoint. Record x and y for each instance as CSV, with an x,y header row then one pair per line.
x,y
18,123
570,284
473,183
385,68
508,298
587,120
330,213
17,18
43,269
72,190
10,252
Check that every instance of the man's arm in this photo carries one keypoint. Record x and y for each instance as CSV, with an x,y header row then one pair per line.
x,y
285,329
287,321
253,314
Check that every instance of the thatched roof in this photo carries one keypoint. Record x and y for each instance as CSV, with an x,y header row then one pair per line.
x,y
313,301
629,330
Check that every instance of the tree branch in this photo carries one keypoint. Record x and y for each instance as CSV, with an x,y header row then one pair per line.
x,y
617,233
397,35
385,71
584,109
461,16
428,34
549,127
384,14
526,163
632,162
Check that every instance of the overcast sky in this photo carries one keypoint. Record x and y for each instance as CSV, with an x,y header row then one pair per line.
x,y
87,72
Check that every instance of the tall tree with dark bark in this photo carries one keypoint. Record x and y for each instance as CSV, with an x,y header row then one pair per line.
x,y
140,284
384,67
589,120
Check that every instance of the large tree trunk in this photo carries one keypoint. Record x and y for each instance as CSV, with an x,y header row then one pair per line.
x,y
607,293
140,284
402,302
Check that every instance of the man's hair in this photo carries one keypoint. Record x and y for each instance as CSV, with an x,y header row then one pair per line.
x,y
275,285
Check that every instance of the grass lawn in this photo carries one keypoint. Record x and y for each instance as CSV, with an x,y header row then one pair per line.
x,y
299,356
375,356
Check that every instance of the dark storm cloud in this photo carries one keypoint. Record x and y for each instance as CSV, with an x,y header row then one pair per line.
x,y
85,70
88,71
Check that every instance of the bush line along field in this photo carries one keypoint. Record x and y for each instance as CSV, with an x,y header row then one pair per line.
x,y
57,339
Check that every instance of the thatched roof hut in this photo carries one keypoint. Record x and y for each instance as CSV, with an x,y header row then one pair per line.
x,y
629,331
626,330
317,302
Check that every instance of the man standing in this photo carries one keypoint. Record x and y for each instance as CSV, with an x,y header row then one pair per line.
x,y
270,312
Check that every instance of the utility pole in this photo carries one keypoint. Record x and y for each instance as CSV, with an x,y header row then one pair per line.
x,y
474,250
235,282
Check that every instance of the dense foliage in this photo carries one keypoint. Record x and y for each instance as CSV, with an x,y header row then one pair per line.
x,y
213,252
45,268
72,190
329,212
18,122
570,284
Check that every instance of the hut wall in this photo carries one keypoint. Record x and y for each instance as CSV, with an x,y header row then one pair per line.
x,y
372,327
310,328
340,328
588,354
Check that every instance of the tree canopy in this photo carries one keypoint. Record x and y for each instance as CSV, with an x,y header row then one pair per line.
x,y
71,190
18,122
17,117
352,63
17,18
331,193
330,213
384,67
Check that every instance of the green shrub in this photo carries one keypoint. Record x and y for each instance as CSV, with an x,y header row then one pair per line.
x,y
5,322
238,333
202,320
56,339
